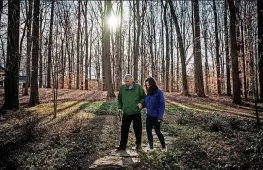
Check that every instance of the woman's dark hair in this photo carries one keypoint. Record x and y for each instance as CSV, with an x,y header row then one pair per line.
x,y
153,86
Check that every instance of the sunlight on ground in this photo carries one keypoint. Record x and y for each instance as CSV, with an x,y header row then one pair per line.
x,y
216,107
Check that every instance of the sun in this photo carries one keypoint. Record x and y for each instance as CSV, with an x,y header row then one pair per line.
x,y
113,21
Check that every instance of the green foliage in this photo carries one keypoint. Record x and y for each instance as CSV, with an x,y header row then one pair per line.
x,y
172,110
100,108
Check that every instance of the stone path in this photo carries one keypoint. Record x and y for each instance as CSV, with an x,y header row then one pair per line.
x,y
124,159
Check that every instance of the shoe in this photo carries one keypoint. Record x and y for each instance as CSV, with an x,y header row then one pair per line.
x,y
164,149
121,148
151,150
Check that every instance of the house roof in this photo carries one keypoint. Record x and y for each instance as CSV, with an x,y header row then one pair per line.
x,y
22,78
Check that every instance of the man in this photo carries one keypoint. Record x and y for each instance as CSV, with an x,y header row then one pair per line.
x,y
130,101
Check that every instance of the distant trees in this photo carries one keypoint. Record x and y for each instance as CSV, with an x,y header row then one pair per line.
x,y
207,49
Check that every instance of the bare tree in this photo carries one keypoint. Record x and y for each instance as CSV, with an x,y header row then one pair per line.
x,y
260,45
197,57
228,87
34,98
217,50
235,75
50,43
106,57
29,45
13,60
181,48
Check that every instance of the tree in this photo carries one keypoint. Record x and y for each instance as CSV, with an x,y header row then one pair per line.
x,y
260,45
50,42
78,39
217,50
34,98
106,56
197,56
167,67
228,86
118,70
29,45
235,76
13,60
181,48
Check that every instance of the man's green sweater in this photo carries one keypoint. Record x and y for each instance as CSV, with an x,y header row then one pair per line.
x,y
129,98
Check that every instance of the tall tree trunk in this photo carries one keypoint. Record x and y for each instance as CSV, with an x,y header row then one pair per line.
x,y
87,46
217,50
40,51
13,60
243,58
107,64
167,69
29,45
90,48
34,98
137,40
197,57
162,78
129,45
78,39
228,86
172,56
234,55
50,43
206,60
118,69
181,47
260,45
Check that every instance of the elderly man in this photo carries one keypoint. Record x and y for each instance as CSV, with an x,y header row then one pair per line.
x,y
131,101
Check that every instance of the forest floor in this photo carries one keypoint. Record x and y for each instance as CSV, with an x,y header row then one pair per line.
x,y
209,133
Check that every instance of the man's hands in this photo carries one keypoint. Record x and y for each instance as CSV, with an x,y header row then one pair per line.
x,y
139,105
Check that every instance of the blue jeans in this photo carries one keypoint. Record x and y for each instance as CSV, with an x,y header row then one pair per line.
x,y
152,122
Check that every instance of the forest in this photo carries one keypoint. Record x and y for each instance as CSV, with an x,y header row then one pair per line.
x,y
62,64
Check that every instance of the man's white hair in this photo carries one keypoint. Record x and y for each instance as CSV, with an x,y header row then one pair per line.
x,y
128,77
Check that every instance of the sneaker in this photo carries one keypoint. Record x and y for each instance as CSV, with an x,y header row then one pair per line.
x,y
121,148
164,149
151,150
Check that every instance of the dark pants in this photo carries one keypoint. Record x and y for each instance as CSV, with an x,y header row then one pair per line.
x,y
125,127
152,122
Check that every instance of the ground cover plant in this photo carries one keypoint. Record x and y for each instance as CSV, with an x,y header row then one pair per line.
x,y
207,135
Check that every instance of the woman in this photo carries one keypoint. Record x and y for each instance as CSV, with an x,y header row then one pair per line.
x,y
155,105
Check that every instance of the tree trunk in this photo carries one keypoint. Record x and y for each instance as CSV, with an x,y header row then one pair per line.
x,y
78,39
172,56
197,57
118,64
13,60
243,59
167,68
137,40
34,98
206,60
217,50
29,45
181,47
40,52
107,64
228,86
50,43
235,76
86,47
260,45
